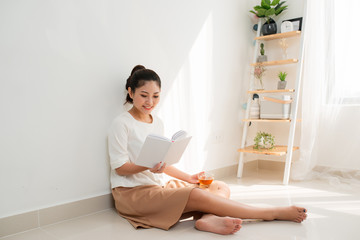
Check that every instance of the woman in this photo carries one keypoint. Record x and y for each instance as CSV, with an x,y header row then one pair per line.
x,y
140,194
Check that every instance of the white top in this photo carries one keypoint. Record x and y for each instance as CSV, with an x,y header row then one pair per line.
x,y
125,139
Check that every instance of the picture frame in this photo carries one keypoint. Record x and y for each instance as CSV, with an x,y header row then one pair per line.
x,y
297,22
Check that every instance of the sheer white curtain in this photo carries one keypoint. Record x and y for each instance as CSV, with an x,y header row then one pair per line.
x,y
330,128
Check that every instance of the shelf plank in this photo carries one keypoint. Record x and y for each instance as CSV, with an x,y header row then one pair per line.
x,y
279,35
266,120
278,150
272,91
269,120
277,62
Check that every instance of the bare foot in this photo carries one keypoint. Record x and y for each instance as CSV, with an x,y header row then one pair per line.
x,y
220,225
292,213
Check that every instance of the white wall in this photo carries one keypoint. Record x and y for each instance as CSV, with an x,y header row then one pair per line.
x,y
63,66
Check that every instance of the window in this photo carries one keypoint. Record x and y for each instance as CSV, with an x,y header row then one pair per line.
x,y
346,87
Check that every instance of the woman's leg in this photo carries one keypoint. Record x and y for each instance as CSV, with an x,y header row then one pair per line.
x,y
206,202
216,224
219,188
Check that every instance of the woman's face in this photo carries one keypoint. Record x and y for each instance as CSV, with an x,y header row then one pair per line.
x,y
146,97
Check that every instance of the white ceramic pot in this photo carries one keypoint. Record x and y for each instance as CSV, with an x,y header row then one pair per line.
x,y
262,58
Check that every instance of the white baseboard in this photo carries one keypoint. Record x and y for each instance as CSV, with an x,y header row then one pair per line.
x,y
224,172
42,217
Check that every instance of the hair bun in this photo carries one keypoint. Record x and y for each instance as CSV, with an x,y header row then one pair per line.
x,y
136,68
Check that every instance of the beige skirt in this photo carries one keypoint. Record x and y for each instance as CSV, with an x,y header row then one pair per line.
x,y
151,205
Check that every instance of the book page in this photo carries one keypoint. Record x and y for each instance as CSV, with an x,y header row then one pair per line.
x,y
179,135
155,136
153,151
176,151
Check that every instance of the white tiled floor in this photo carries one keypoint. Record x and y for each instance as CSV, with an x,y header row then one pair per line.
x,y
334,213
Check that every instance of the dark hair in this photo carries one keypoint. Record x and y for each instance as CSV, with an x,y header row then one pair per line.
x,y
139,75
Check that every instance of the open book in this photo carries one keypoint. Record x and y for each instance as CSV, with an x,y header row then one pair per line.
x,y
161,149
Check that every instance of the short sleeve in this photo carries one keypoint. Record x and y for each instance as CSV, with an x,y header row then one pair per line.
x,y
117,144
160,126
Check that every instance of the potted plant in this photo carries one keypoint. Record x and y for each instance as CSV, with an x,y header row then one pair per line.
x,y
282,78
259,71
262,57
264,140
267,10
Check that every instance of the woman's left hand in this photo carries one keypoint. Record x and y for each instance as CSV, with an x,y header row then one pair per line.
x,y
194,178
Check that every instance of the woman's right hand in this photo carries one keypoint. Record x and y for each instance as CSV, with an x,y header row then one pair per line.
x,y
194,178
158,168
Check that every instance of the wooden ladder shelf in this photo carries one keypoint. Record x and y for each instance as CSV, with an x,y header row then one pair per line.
x,y
279,150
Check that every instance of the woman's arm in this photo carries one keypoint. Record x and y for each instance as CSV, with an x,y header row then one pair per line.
x,y
176,173
130,168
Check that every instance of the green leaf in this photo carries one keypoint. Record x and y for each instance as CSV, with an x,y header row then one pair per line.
x,y
265,4
278,11
270,12
279,5
261,12
256,8
275,2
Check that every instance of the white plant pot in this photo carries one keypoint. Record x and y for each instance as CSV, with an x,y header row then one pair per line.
x,y
262,58
264,144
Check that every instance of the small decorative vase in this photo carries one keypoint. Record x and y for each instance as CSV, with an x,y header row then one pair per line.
x,y
281,84
259,84
255,109
284,46
262,58
255,27
269,28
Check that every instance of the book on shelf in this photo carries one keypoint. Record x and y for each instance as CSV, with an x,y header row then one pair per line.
x,y
158,148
